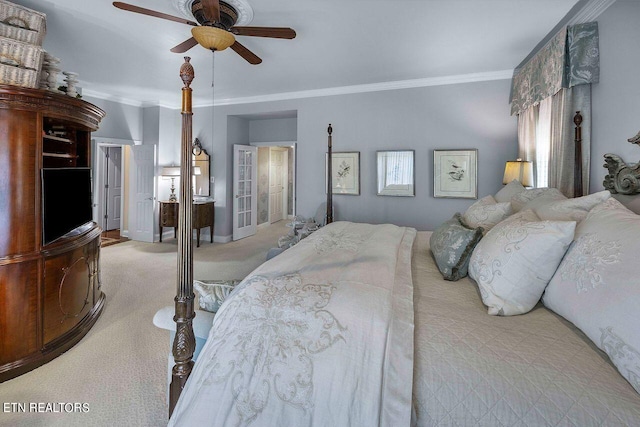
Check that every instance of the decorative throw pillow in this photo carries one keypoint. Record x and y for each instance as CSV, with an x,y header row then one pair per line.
x,y
514,262
486,213
597,285
521,199
508,191
451,245
571,209
211,294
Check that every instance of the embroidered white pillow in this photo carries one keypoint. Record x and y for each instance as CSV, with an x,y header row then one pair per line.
x,y
521,199
211,294
597,286
486,213
571,209
508,191
514,262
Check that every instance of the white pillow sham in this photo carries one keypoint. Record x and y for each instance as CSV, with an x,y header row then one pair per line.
x,y
523,198
508,191
597,285
514,262
486,213
571,209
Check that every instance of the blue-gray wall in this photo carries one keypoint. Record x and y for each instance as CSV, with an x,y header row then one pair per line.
x,y
470,115
616,98
121,122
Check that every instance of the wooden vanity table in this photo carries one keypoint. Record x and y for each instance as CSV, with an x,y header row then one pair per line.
x,y
203,216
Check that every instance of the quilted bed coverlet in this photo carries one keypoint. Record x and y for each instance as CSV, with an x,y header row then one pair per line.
x,y
321,335
535,369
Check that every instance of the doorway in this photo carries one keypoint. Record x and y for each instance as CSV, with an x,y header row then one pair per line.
x,y
276,181
109,187
111,184
112,208
278,184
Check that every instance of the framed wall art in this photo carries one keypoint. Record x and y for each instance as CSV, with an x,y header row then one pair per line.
x,y
345,178
455,173
396,173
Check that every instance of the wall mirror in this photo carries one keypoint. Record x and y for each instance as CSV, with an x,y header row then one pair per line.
x,y
396,173
201,170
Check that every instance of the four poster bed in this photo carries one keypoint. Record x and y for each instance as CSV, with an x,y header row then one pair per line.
x,y
355,326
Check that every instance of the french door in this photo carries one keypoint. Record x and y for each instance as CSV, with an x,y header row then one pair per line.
x,y
245,186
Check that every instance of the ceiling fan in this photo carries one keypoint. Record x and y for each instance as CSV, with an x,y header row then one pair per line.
x,y
215,28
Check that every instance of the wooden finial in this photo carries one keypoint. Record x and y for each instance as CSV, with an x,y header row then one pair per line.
x,y
186,72
330,129
577,119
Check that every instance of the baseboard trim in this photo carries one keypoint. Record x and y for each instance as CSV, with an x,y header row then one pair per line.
x,y
263,225
221,239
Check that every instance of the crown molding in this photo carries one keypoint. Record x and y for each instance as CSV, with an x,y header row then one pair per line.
x,y
590,11
317,93
109,97
364,88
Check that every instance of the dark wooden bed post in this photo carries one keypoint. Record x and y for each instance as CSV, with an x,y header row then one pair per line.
x,y
577,171
184,343
329,180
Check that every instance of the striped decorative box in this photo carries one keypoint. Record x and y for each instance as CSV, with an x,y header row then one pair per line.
x,y
20,63
22,24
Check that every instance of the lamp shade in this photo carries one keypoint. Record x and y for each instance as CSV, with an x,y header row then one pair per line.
x,y
170,171
519,170
213,38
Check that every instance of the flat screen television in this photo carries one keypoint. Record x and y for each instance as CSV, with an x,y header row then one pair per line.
x,y
66,201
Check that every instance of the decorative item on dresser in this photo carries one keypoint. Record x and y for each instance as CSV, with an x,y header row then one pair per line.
x,y
50,291
203,216
22,33
171,172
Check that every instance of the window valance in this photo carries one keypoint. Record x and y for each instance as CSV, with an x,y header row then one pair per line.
x,y
570,58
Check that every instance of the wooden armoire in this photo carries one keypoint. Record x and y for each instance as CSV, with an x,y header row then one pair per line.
x,y
50,292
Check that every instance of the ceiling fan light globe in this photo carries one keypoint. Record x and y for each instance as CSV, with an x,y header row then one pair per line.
x,y
212,37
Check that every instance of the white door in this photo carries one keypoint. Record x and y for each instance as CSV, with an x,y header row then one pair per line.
x,y
113,188
142,192
277,181
245,189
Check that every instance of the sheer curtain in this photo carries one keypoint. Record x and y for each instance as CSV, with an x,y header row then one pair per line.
x,y
546,137
534,139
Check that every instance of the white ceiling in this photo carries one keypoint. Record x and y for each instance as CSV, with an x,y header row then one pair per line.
x,y
125,56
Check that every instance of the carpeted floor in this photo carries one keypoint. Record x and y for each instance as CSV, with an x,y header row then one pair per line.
x,y
119,368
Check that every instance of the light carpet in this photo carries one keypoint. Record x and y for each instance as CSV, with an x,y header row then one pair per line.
x,y
119,368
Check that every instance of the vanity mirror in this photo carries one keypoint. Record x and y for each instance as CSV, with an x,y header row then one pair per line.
x,y
201,160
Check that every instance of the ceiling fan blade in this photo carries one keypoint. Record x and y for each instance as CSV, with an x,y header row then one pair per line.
x,y
131,8
273,32
184,46
249,56
211,10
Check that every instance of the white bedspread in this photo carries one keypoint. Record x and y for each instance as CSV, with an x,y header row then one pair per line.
x,y
321,335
